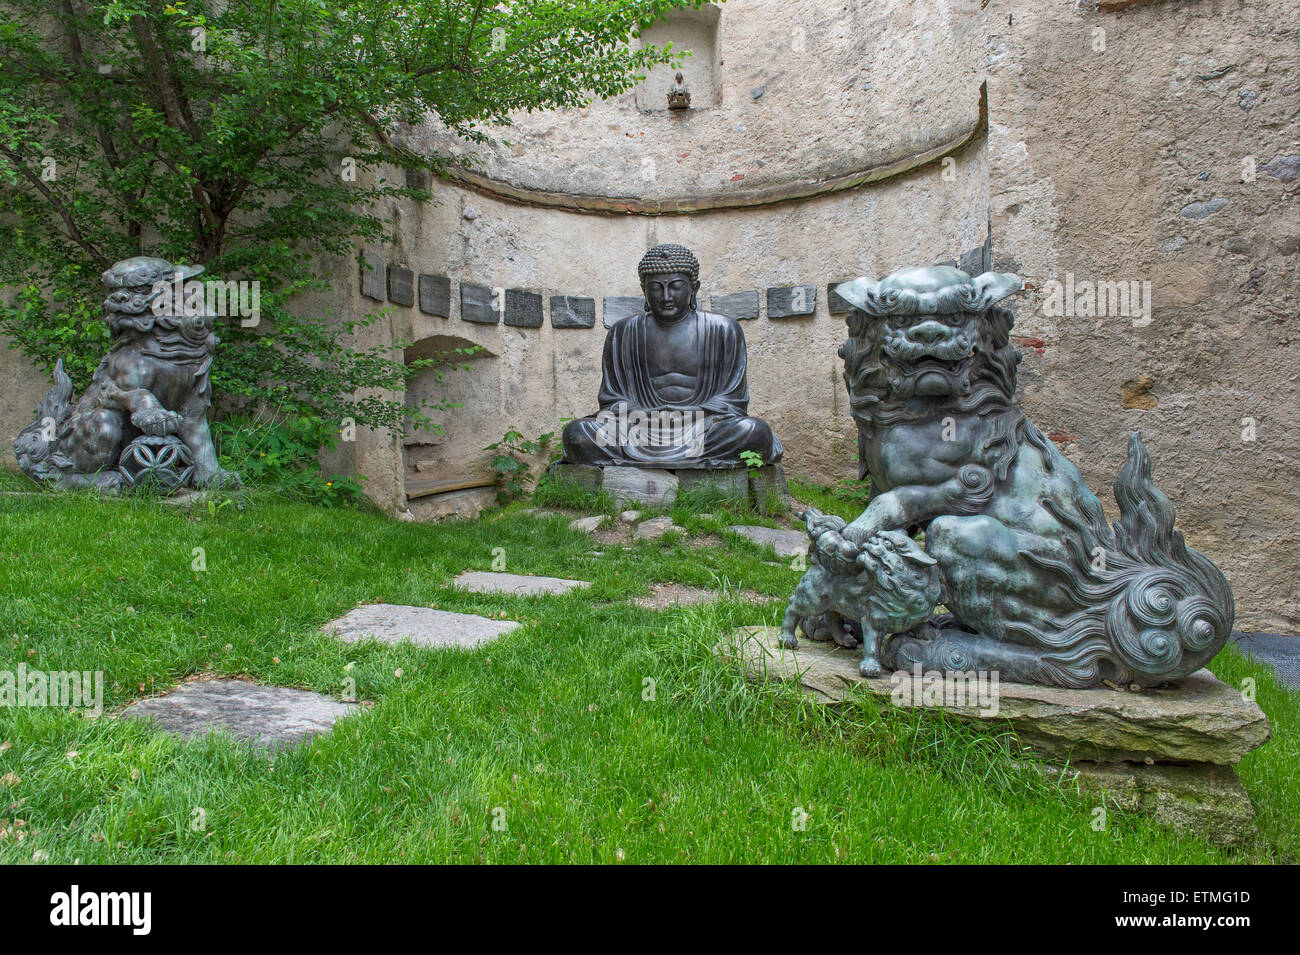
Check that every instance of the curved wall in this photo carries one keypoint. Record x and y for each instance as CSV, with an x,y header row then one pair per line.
x,y
806,92
547,374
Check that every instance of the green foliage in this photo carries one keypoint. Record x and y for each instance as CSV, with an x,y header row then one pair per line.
x,y
553,492
227,133
751,459
281,455
847,499
853,491
512,463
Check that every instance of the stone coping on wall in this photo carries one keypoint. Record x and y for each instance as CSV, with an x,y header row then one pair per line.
x,y
738,199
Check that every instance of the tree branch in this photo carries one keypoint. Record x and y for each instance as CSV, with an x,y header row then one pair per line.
x,y
74,233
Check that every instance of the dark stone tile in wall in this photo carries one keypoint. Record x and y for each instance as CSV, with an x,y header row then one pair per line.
x,y
737,305
523,309
788,301
619,307
837,305
372,276
572,311
435,295
401,285
478,304
977,260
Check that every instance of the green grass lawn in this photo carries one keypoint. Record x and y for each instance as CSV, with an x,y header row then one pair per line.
x,y
549,728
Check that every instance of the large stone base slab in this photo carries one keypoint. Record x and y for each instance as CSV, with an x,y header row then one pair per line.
x,y
1198,720
1197,798
1167,752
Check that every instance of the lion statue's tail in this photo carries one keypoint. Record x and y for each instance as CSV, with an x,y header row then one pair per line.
x,y
1152,608
35,445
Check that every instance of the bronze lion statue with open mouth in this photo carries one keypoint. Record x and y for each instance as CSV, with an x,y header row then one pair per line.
x,y
1037,585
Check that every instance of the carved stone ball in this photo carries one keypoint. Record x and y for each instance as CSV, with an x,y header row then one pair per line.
x,y
163,463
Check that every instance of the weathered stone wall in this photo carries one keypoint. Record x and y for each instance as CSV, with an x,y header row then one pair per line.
x,y
1158,144
547,374
21,387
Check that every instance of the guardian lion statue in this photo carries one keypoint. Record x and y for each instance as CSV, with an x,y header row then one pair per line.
x,y
1036,584
143,421
887,585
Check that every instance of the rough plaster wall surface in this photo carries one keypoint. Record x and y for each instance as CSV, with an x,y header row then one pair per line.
x,y
809,89
1111,136
21,387
549,374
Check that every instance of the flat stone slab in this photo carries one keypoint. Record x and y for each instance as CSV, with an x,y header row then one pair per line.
x,y
396,623
374,273
572,311
787,543
588,525
490,582
1200,719
435,295
737,305
618,307
401,285
663,596
789,301
273,717
656,527
523,309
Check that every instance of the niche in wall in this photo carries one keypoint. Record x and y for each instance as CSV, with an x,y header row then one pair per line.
x,y
450,457
694,30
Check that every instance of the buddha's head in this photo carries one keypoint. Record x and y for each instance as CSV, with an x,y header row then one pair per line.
x,y
670,279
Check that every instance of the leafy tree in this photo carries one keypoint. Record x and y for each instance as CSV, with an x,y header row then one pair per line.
x,y
221,132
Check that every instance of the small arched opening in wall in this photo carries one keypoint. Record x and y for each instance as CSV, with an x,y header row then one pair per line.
x,y
447,471
694,30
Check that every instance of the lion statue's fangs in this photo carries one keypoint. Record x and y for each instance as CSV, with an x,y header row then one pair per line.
x,y
1037,586
143,421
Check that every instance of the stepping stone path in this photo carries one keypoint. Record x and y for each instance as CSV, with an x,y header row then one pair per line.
x,y
395,623
270,717
488,582
787,543
1169,752
654,528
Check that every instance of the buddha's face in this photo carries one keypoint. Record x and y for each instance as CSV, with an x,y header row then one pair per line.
x,y
669,295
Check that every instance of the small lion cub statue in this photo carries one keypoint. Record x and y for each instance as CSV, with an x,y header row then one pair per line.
x,y
889,584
